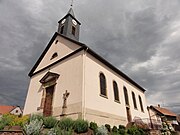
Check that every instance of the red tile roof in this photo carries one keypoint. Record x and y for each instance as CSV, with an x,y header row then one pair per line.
x,y
164,111
6,109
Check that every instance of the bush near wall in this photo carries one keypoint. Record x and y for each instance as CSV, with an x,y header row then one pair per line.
x,y
12,120
39,125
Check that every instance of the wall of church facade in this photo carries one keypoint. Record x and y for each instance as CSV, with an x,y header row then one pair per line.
x,y
62,47
107,105
70,79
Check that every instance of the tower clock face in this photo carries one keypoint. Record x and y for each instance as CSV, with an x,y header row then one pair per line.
x,y
63,21
74,22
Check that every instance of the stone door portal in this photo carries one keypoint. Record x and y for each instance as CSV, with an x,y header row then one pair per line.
x,y
47,111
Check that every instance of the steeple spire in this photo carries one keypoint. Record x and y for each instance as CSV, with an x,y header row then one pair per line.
x,y
69,26
72,3
71,12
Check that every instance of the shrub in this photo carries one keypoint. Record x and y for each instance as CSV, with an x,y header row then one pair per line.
x,y
36,116
80,126
6,120
122,131
102,131
66,124
2,125
108,127
122,127
114,129
135,131
34,127
58,131
93,126
19,121
64,132
49,122
54,131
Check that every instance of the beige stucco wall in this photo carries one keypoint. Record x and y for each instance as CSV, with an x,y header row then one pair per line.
x,y
63,47
70,79
94,101
79,74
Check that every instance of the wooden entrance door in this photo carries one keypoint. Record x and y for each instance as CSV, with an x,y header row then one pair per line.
x,y
48,101
129,118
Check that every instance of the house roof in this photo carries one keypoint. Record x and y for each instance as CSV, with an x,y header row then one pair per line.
x,y
6,109
82,47
178,118
163,111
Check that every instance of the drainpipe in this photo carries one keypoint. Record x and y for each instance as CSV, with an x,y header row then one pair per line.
x,y
84,67
148,108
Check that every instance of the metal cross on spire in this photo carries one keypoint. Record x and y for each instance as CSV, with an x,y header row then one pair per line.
x,y
72,1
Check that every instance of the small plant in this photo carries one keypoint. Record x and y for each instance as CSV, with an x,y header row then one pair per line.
x,y
66,124
34,127
36,116
80,126
108,127
115,129
54,131
122,130
93,126
49,122
122,127
64,132
102,130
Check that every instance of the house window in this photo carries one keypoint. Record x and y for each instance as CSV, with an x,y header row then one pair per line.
x,y
126,96
16,111
116,91
103,85
62,29
141,105
54,55
134,100
73,30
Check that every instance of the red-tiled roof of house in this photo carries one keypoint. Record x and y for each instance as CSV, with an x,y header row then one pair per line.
x,y
6,109
164,111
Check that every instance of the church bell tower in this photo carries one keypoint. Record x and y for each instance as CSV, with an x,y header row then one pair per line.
x,y
69,26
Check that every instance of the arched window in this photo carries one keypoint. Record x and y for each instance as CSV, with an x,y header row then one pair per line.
x,y
73,30
103,84
134,100
141,104
62,29
126,96
116,91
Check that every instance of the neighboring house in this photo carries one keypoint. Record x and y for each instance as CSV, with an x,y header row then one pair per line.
x,y
16,110
158,115
178,118
70,79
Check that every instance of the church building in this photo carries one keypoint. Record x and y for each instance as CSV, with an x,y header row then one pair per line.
x,y
71,80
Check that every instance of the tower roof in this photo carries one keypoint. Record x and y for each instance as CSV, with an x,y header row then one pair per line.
x,y
71,12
